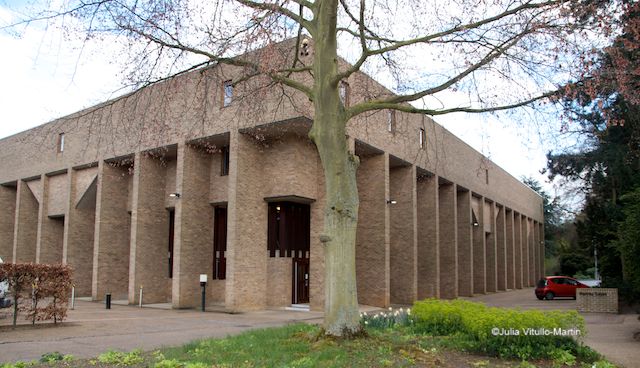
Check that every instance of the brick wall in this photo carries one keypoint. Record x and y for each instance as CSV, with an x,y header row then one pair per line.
x,y
26,228
279,280
597,300
80,226
403,234
428,238
465,242
7,220
372,240
448,251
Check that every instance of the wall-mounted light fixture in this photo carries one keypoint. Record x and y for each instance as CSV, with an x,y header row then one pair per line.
x,y
475,223
391,201
175,195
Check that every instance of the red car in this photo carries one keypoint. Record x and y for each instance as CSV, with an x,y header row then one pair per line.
x,y
558,286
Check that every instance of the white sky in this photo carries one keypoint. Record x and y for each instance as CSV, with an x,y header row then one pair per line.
x,y
45,77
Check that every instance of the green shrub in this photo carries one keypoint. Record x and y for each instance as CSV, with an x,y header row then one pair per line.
x,y
525,364
197,365
599,364
110,357
51,357
169,363
56,356
118,358
502,332
19,364
133,357
562,358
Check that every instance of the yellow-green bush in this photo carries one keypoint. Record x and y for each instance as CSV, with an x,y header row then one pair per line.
x,y
499,331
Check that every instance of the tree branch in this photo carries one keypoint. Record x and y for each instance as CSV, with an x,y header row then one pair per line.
x,y
278,9
404,107
395,45
292,83
305,3
236,61
492,55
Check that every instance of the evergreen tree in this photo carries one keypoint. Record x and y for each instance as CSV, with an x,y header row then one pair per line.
x,y
606,109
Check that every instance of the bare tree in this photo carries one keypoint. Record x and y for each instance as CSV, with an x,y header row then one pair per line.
x,y
485,55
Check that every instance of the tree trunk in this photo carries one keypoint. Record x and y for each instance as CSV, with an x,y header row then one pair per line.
x,y
340,222
339,166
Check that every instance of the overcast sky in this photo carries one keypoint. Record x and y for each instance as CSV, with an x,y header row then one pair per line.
x,y
45,77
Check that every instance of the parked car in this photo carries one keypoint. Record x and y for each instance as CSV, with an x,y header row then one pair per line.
x,y
5,302
558,286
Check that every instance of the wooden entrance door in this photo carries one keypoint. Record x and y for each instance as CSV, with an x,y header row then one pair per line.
x,y
300,289
220,243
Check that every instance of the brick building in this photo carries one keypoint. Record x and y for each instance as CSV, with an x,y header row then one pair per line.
x,y
194,176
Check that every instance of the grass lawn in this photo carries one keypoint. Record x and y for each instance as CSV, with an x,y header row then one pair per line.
x,y
301,345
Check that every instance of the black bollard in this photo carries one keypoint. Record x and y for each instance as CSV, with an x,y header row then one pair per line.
x,y
107,299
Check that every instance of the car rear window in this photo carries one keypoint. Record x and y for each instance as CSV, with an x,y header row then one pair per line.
x,y
542,283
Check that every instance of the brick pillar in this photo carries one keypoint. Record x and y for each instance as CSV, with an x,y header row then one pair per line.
x,y
465,243
403,247
7,219
511,256
112,233
79,227
373,233
479,248
491,244
50,230
536,246
448,241
525,251
246,227
26,224
543,271
532,252
428,238
149,232
42,213
517,229
193,231
533,268
501,246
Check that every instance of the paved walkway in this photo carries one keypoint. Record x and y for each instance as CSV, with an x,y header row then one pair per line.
x,y
90,330
609,334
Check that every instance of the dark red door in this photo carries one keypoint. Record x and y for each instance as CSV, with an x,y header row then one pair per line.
x,y
172,220
300,289
220,243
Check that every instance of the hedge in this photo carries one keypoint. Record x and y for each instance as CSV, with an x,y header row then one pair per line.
x,y
502,332
31,285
